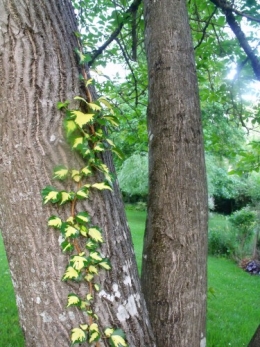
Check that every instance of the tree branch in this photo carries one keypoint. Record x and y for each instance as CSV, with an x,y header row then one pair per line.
x,y
228,10
132,9
205,29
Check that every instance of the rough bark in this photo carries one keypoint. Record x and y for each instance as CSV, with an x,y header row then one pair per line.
x,y
38,68
174,259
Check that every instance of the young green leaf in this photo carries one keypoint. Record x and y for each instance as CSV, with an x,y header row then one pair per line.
x,y
60,105
105,102
94,107
60,172
77,336
55,222
112,120
70,126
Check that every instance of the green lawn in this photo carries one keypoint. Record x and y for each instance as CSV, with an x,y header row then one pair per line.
x,y
233,310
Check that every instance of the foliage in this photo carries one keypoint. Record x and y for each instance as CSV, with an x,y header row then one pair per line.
x,y
221,242
133,175
86,133
243,222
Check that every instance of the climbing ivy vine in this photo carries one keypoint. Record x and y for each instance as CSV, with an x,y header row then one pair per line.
x,y
85,130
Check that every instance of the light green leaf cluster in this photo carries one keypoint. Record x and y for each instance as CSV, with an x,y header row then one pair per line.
x,y
85,133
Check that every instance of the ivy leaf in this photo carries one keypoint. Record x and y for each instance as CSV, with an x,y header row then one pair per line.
x,y
86,171
66,196
82,118
95,234
73,300
70,274
101,186
60,172
84,326
78,262
75,175
82,193
82,217
94,107
66,246
89,277
60,105
50,194
70,126
92,269
106,103
94,334
55,222
105,264
109,331
91,246
95,256
118,152
89,297
70,231
77,141
77,336
117,339
112,120
83,230
97,287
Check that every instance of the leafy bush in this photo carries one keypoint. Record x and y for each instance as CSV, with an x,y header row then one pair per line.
x,y
133,176
221,242
243,222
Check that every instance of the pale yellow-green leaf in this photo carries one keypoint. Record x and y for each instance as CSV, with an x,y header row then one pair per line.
x,y
82,118
65,196
80,98
70,126
101,186
89,81
106,103
83,218
55,222
92,269
105,265
60,173
97,287
89,297
78,262
73,300
86,171
52,195
95,234
109,331
83,230
104,168
70,220
111,143
118,341
70,273
84,326
95,256
93,337
93,327
99,148
75,174
77,141
83,305
77,335
89,277
70,231
94,107
82,194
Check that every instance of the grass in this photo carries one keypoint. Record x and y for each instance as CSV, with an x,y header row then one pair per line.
x,y
10,331
233,311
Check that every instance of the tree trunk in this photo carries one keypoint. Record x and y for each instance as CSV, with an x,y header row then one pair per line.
x,y
174,259
38,68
